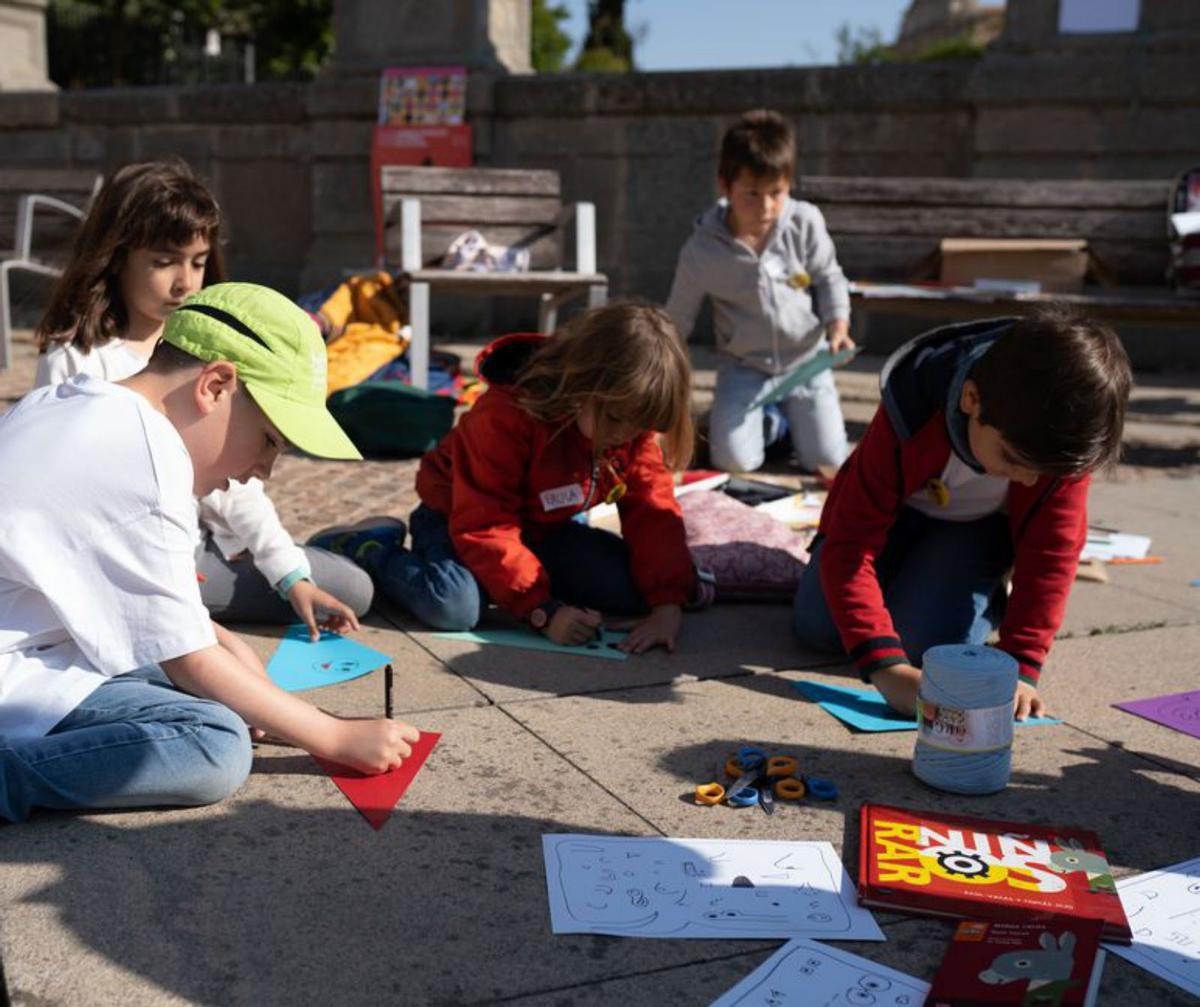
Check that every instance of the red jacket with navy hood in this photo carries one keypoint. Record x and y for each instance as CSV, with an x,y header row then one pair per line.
x,y
907,444
504,479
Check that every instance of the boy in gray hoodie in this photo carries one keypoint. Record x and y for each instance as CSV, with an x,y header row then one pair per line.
x,y
778,294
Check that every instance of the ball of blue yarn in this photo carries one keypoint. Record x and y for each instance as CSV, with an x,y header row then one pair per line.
x,y
966,677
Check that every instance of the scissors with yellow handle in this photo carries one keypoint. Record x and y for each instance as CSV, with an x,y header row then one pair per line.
x,y
759,779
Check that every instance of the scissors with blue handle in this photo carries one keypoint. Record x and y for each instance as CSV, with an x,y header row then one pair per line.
x,y
760,779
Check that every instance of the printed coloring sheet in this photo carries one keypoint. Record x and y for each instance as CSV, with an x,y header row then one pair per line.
x,y
1163,908
807,974
703,888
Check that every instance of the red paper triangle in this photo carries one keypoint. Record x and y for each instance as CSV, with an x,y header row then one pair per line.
x,y
376,796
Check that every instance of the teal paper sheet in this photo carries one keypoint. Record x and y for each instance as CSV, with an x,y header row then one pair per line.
x,y
867,710
301,664
529,640
803,373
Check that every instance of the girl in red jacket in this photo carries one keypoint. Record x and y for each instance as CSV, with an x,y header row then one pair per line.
x,y
569,421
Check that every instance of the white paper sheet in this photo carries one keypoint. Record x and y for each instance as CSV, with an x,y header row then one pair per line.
x,y
1186,223
803,973
1114,545
801,510
702,888
1163,908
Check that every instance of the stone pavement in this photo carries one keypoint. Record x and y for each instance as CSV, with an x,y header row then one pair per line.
x,y
284,895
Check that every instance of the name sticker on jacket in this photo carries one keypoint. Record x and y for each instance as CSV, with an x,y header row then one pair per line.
x,y
562,496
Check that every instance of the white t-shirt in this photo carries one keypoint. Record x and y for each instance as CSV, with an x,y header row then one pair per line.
x,y
97,549
964,494
240,518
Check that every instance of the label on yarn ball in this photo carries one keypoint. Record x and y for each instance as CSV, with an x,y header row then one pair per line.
x,y
987,729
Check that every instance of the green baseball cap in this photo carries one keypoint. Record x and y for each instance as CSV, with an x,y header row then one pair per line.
x,y
279,355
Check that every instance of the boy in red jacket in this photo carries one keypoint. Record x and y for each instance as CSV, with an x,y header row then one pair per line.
x,y
977,463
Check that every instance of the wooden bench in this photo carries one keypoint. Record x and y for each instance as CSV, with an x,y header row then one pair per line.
x,y
888,232
41,209
425,209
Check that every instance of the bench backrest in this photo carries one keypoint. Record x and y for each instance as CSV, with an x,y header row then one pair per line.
x,y
506,206
51,230
884,228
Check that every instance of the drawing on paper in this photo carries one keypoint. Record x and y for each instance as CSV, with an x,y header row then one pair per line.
x,y
700,888
805,974
1163,908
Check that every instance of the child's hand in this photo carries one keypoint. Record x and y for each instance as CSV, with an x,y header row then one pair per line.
x,y
307,598
570,626
660,626
838,332
898,684
371,746
1027,702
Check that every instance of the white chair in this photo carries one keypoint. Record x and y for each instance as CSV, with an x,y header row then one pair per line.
x,y
22,256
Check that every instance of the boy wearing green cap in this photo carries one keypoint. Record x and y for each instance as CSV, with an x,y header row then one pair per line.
x,y
116,689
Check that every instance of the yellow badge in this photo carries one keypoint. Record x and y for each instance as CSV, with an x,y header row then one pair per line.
x,y
799,281
936,490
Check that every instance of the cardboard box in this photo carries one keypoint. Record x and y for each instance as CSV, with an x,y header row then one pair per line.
x,y
1057,265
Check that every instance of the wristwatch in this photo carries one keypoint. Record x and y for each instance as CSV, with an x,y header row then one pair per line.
x,y
540,617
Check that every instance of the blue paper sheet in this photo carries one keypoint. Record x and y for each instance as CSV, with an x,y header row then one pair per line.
x,y
867,710
823,360
301,664
529,640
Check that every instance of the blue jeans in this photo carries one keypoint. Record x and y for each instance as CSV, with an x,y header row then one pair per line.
x,y
943,582
736,440
136,741
588,567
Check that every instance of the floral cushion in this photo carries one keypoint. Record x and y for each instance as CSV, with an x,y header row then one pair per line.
x,y
752,556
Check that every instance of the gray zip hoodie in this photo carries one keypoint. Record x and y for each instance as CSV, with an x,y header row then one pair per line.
x,y
764,312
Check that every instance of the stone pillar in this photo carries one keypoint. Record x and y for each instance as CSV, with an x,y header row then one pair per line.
x,y
482,35
23,45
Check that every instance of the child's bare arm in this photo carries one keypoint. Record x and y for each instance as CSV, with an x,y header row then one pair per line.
x,y
239,649
370,746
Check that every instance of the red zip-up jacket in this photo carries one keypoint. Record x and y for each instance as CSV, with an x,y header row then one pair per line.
x,y
504,479
908,443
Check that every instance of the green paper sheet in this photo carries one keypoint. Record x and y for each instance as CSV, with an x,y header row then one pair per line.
x,y
529,640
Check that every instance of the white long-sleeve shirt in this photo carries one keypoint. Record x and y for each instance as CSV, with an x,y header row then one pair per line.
x,y
241,518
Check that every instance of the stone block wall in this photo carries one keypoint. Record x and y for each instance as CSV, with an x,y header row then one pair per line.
x,y
289,162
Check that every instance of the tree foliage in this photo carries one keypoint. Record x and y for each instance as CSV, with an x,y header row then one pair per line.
x,y
550,43
101,43
608,47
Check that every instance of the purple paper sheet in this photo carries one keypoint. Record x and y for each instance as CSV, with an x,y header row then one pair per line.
x,y
1179,711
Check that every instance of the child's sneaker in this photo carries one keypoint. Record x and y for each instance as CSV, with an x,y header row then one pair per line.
x,y
365,542
706,590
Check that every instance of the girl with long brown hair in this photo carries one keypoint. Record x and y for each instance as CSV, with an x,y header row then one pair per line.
x,y
568,421
150,240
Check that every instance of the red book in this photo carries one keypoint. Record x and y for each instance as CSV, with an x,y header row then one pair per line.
x,y
976,868
1053,961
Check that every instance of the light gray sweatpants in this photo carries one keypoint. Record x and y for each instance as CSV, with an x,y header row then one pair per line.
x,y
234,590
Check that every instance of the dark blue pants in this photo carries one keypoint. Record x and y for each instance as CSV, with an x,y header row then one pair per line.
x,y
588,568
943,582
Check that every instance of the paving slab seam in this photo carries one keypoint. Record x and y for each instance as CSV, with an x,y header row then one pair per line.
x,y
896,921
684,679
578,768
488,701
518,997
1116,629
1144,756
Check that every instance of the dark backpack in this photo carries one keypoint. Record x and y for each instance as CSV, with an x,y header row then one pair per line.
x,y
392,420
